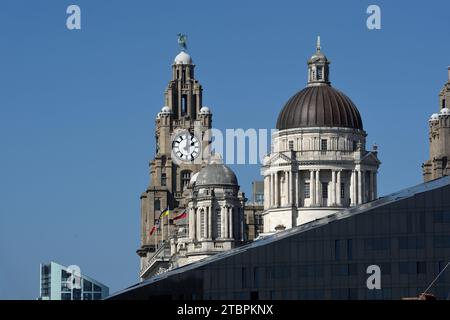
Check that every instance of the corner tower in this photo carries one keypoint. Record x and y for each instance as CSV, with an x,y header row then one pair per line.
x,y
439,125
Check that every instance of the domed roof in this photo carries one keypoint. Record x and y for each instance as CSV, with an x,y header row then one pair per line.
x,y
434,117
205,110
319,106
216,174
445,111
166,109
183,58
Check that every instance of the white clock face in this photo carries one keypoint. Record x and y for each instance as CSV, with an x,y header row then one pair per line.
x,y
186,146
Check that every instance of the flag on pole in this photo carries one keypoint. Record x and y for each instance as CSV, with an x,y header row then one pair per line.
x,y
164,213
181,216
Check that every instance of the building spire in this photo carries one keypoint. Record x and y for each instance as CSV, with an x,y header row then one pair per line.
x,y
318,44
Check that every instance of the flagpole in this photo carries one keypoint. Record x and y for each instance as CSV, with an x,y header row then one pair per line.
x,y
156,238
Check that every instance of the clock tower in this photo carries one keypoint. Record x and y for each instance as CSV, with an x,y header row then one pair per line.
x,y
181,130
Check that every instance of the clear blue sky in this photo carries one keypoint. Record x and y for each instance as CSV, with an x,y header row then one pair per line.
x,y
77,108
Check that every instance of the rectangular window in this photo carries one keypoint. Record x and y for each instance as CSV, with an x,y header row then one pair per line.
x,y
342,190
421,267
306,190
442,241
319,73
157,204
291,145
350,249
337,250
202,224
163,179
324,145
324,190
218,223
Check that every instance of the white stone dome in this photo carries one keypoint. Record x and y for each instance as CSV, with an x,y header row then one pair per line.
x,y
166,109
445,111
183,58
434,117
205,110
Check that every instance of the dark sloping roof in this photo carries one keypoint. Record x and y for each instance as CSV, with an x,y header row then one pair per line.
x,y
319,106
394,197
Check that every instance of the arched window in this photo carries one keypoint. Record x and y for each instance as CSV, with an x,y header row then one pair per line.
x,y
218,223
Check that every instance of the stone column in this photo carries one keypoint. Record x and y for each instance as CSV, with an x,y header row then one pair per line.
x,y
318,189
375,191
191,224
353,199
360,187
209,219
276,190
230,215
338,189
289,187
227,218
333,188
312,188
297,188
222,222
272,191
371,194
198,216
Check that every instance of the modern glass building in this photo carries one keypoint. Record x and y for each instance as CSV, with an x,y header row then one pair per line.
x,y
406,234
56,285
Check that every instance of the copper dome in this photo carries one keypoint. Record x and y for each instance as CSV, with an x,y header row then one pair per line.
x,y
319,106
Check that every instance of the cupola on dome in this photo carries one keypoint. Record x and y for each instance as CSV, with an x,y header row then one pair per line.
x,y
319,104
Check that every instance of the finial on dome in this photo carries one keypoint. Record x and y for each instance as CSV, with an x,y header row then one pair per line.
x,y
318,44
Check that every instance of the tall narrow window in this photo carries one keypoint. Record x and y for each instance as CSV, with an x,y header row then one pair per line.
x,y
183,104
185,179
306,190
202,224
219,223
342,190
324,190
163,179
355,144
324,145
319,73
157,204
291,145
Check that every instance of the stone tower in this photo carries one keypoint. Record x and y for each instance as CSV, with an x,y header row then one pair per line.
x,y
181,128
439,123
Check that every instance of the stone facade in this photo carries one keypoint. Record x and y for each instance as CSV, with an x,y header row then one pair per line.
x,y
439,125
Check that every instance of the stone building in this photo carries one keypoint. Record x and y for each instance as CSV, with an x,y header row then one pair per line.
x,y
215,215
206,208
438,165
254,208
182,119
319,163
